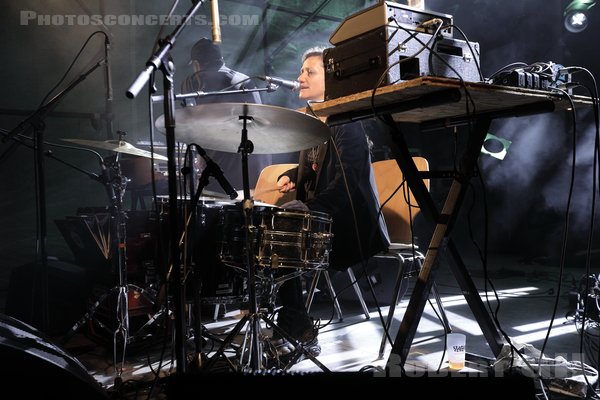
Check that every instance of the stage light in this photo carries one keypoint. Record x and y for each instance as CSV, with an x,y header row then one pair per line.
x,y
576,15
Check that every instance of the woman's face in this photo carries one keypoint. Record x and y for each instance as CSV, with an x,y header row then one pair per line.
x,y
312,79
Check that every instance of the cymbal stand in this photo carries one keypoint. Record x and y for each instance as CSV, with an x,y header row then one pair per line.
x,y
255,353
162,61
252,354
116,189
246,147
115,184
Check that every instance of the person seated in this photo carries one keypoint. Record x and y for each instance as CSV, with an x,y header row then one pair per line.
x,y
336,178
212,75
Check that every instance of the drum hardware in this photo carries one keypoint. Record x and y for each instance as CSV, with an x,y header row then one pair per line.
x,y
162,60
211,169
278,130
274,129
251,354
118,146
133,168
141,317
115,184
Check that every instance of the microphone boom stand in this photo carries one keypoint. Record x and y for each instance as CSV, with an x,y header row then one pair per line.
x,y
162,60
36,123
269,88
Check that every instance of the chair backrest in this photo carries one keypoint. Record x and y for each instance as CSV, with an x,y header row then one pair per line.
x,y
266,185
396,211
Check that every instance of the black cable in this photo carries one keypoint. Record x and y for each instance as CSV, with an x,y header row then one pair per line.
x,y
333,297
160,252
469,101
475,59
71,66
566,227
510,67
483,255
594,94
563,256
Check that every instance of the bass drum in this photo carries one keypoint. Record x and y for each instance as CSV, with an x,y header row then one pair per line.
x,y
202,241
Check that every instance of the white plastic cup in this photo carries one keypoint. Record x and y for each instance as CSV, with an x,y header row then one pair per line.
x,y
456,350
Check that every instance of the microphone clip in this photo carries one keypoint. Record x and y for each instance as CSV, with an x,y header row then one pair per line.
x,y
272,87
213,169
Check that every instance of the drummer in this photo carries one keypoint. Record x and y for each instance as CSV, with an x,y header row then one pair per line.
x,y
212,75
336,178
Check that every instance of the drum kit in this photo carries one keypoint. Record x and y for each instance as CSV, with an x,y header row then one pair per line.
x,y
238,252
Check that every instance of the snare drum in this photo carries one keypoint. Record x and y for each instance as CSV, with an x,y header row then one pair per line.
x,y
295,239
283,238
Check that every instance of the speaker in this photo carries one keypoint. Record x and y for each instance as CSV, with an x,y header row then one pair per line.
x,y
69,287
32,367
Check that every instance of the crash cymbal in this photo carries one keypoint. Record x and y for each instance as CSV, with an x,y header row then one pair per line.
x,y
217,126
119,146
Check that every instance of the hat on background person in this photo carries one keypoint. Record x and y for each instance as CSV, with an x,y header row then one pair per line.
x,y
206,53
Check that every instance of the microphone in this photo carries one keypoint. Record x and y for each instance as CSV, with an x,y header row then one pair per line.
x,y
214,170
292,85
109,89
216,27
106,179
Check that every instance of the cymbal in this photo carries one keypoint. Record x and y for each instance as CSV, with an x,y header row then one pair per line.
x,y
120,146
272,129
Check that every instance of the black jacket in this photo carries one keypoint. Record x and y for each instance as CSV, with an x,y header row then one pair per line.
x,y
325,191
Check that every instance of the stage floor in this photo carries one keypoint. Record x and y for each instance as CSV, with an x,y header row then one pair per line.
x,y
527,296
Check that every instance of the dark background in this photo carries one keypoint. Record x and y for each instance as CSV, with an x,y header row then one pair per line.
x,y
526,192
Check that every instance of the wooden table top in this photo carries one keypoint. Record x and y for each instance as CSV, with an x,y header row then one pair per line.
x,y
433,98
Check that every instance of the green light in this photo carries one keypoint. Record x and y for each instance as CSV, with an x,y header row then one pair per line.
x,y
576,15
501,146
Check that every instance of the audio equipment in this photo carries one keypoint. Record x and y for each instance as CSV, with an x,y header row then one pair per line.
x,y
389,55
384,13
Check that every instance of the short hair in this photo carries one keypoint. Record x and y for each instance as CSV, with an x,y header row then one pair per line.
x,y
313,51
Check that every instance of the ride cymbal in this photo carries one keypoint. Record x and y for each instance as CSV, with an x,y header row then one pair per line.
x,y
272,129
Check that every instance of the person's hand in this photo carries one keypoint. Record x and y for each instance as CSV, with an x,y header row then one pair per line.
x,y
284,184
295,205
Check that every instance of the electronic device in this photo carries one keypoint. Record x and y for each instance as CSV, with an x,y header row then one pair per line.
x,y
389,12
389,55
